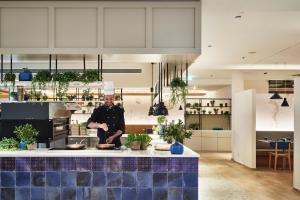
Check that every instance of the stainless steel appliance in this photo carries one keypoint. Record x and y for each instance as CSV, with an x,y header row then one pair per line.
x,y
51,119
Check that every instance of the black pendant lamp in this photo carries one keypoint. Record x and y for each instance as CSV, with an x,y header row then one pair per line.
x,y
151,109
180,107
161,108
285,102
276,95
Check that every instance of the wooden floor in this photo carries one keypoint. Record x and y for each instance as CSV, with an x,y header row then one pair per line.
x,y
221,178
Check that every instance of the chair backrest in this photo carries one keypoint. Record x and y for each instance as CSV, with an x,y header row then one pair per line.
x,y
280,145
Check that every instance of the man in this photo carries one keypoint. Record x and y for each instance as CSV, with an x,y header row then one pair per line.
x,y
108,119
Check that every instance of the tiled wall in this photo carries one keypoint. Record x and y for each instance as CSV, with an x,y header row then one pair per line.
x,y
99,178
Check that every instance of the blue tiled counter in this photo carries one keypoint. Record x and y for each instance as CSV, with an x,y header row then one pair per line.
x,y
56,178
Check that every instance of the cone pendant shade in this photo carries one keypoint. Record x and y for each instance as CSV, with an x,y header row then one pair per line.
x,y
276,96
285,103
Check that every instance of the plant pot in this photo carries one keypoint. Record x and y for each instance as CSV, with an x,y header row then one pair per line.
x,y
144,146
169,140
135,145
176,148
30,146
22,145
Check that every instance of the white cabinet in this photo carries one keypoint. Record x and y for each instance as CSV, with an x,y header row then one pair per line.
x,y
210,140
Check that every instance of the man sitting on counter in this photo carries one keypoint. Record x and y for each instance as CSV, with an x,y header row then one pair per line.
x,y
108,119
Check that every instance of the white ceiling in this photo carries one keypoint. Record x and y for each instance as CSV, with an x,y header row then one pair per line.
x,y
271,28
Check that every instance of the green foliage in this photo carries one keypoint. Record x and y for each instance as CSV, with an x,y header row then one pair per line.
x,y
177,132
26,133
143,139
9,144
41,79
62,83
161,119
14,95
178,91
89,76
71,76
9,77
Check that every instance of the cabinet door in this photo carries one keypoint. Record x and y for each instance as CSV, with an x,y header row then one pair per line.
x,y
209,144
194,143
224,144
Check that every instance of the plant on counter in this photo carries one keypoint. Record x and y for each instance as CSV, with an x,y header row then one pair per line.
x,y
41,79
179,134
14,96
179,91
9,78
89,76
133,141
8,144
27,135
145,140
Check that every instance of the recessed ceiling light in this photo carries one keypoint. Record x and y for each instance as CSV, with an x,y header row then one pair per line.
x,y
209,45
243,57
252,52
238,16
265,72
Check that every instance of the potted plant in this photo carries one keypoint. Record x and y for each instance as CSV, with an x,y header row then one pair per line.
x,y
179,91
9,78
203,112
209,112
222,112
179,134
41,79
27,96
133,141
188,105
8,144
71,97
161,120
14,96
89,76
216,110
145,140
27,135
44,97
226,104
38,96
212,102
221,105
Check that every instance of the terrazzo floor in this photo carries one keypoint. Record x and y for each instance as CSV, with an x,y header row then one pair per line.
x,y
222,179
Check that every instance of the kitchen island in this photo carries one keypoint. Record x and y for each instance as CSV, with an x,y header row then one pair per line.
x,y
98,174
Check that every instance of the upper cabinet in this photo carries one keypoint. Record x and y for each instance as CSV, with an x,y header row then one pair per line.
x,y
100,27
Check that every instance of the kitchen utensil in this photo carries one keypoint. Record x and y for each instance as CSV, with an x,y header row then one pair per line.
x,y
105,146
75,146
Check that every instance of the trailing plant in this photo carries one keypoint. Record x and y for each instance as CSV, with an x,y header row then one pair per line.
x,y
62,83
41,79
26,133
178,91
9,144
161,119
14,95
177,132
9,78
89,76
71,76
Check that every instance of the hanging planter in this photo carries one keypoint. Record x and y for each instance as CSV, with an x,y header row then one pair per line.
x,y
9,78
178,91
89,76
41,79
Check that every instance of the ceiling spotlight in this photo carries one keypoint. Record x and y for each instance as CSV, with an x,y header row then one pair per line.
x,y
238,16
252,52
209,46
265,72
243,57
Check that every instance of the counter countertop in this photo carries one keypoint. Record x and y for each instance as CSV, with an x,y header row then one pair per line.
x,y
93,152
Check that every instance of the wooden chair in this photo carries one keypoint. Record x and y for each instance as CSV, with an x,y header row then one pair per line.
x,y
282,149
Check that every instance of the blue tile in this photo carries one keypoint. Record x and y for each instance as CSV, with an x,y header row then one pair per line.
x,y
129,179
175,164
160,179
190,165
160,164
37,193
23,178
129,164
8,179
84,179
128,193
22,164
83,193
38,164
114,194
53,193
68,193
175,179
114,164
53,179
99,164
99,179
190,193
190,179
144,164
114,179
8,164
38,178
144,193
98,193
83,164
160,193
144,179
53,164
175,194
68,179
68,164
22,194
7,193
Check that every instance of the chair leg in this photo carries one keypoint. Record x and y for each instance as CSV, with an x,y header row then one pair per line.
x,y
270,160
290,166
275,162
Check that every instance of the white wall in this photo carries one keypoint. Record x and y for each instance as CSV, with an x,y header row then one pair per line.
x,y
244,139
270,116
296,179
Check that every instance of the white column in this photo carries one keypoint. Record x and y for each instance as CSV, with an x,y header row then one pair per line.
x,y
237,85
296,179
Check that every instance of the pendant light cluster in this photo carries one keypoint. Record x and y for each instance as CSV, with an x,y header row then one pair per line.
x,y
160,108
276,95
151,109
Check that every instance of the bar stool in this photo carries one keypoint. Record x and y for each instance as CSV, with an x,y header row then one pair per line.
x,y
282,149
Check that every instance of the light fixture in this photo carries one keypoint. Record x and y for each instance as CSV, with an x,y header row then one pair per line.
x,y
285,102
161,108
276,95
151,109
180,107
